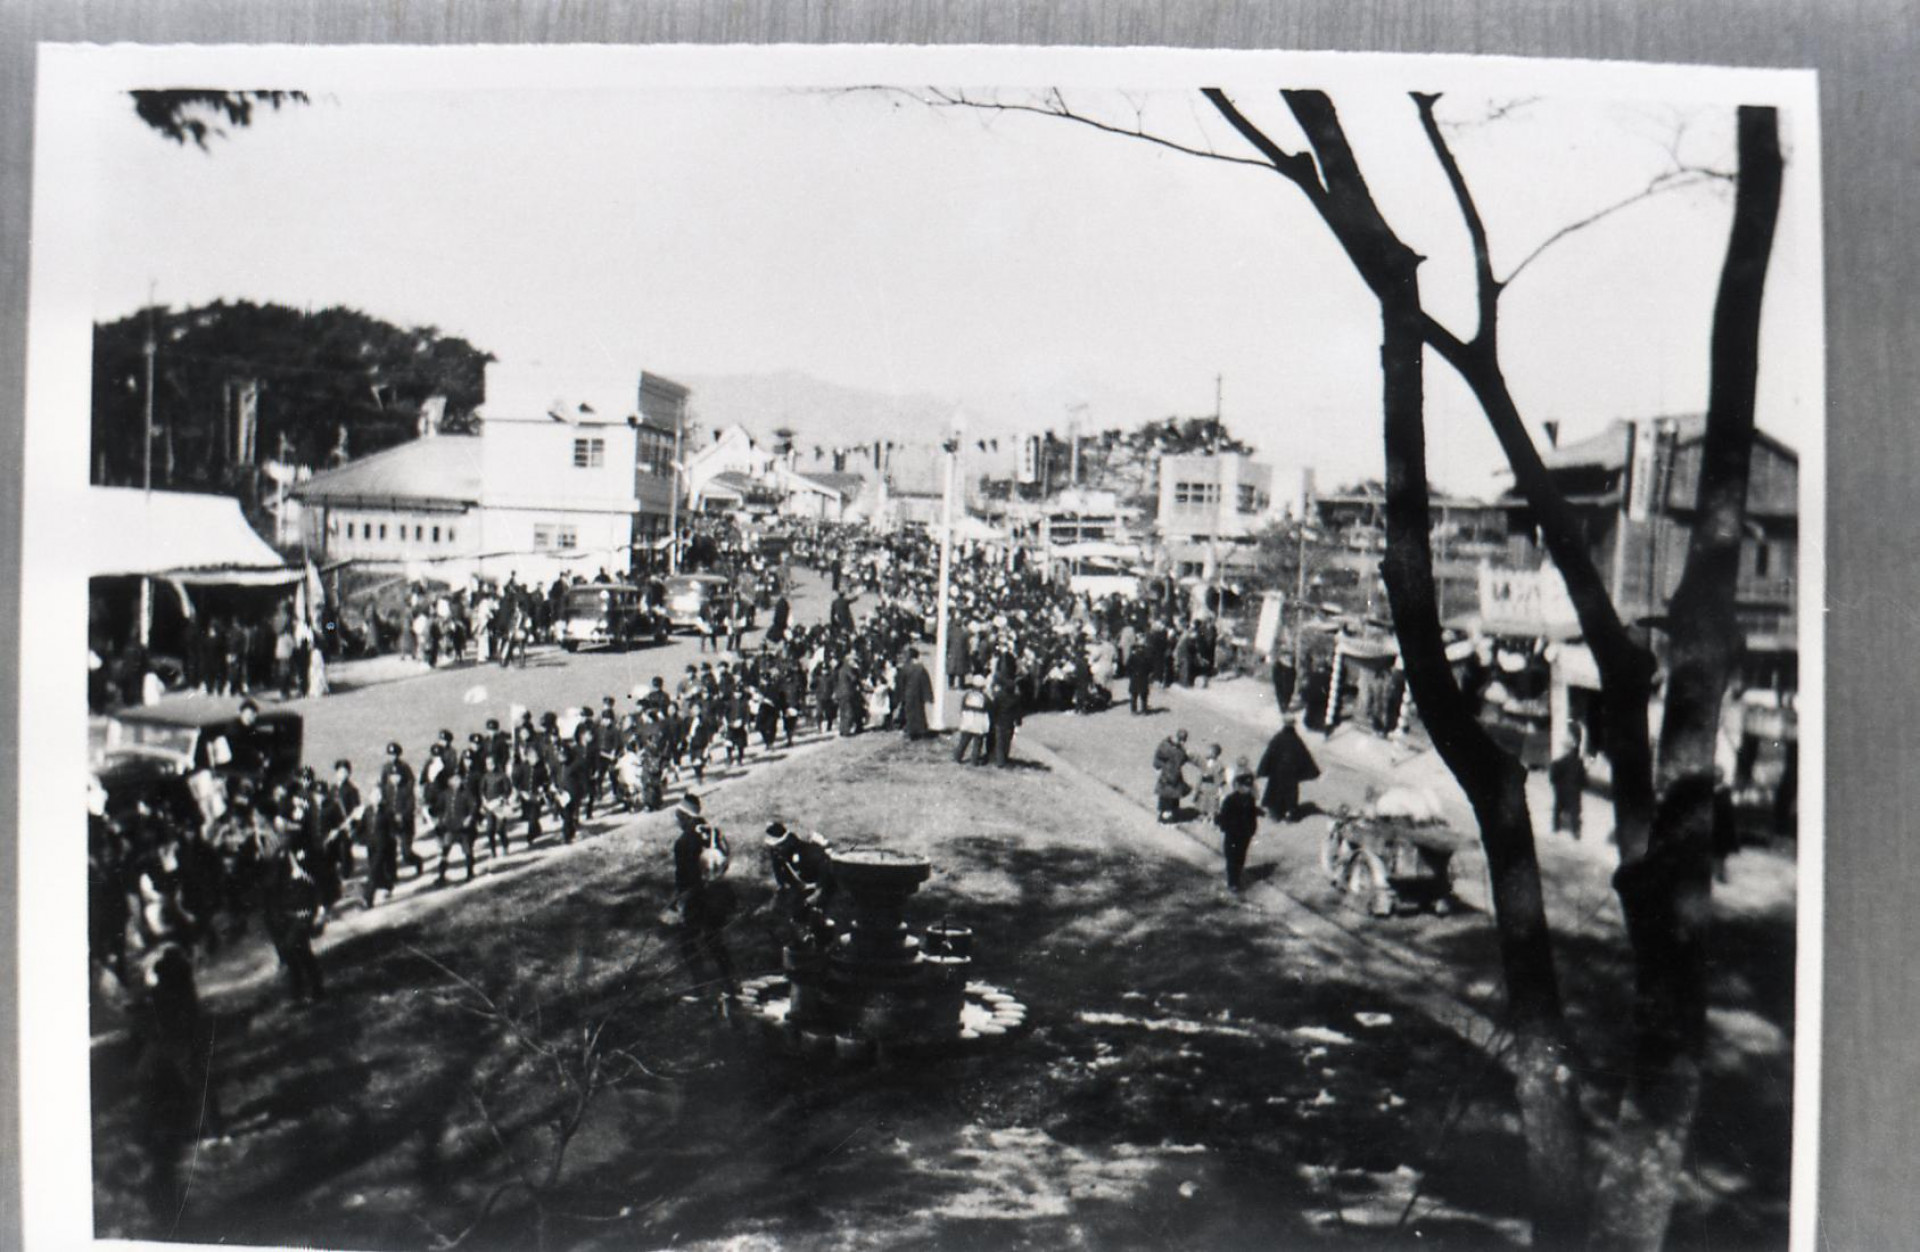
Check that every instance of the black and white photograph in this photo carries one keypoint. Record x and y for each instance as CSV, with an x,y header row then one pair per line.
x,y
916,648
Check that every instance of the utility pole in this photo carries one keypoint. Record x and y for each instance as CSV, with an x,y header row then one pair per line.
x,y
939,719
148,349
673,490
1220,496
1075,412
146,472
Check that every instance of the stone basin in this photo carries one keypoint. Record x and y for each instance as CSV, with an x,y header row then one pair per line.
x,y
880,872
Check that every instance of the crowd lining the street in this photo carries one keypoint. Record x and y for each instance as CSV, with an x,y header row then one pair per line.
x,y
295,850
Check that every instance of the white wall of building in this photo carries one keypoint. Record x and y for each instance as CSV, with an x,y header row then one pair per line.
x,y
1204,496
538,544
733,451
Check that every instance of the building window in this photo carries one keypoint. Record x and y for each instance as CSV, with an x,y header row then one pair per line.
x,y
555,535
653,452
349,530
419,533
1195,495
589,453
1761,559
383,530
436,534
449,534
1252,499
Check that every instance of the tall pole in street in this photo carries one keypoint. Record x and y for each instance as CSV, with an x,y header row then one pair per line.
x,y
940,678
1220,498
146,473
673,492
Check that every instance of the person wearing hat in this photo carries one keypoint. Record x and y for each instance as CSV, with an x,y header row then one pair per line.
x,y
397,796
437,774
457,819
575,782
339,811
528,777
495,794
703,903
802,869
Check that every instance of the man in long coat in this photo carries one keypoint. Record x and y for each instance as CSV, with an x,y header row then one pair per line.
x,y
912,693
1285,765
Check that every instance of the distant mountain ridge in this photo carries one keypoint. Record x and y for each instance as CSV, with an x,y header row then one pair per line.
x,y
820,413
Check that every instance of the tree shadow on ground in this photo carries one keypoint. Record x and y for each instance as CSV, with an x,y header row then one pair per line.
x,y
1190,1074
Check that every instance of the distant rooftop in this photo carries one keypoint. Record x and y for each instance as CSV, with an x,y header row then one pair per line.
x,y
1607,450
442,472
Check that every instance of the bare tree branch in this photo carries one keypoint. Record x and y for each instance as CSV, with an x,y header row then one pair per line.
x,y
1486,287
1676,179
1054,105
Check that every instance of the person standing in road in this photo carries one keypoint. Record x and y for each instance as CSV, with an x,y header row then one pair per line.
x,y
1170,783
1139,677
1283,679
1004,712
1285,765
1238,818
1567,775
913,692
976,726
529,779
396,793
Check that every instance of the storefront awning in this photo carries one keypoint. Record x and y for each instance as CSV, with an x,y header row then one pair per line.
x,y
192,538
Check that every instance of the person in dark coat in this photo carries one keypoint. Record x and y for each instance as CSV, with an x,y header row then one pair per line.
x,y
1238,818
703,903
1004,710
958,654
1567,775
777,628
847,698
292,899
1169,766
1139,677
575,781
1284,678
840,616
457,819
529,779
397,796
382,843
1285,765
912,693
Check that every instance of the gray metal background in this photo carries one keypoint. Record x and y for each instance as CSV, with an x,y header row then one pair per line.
x,y
1868,55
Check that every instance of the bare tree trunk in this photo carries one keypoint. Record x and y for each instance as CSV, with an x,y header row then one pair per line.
x,y
1495,785
1666,893
1547,1089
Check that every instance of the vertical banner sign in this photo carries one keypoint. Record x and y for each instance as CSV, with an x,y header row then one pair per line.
x,y
1267,632
1643,478
1030,459
247,422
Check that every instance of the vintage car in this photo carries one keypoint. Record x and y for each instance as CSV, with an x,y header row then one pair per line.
x,y
689,594
193,752
616,615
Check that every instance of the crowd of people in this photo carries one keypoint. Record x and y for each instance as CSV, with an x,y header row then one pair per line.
x,y
295,851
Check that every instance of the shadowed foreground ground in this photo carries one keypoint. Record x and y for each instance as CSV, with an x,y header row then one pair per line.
x,y
1193,1074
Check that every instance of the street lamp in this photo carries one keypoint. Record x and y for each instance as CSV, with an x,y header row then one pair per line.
x,y
940,680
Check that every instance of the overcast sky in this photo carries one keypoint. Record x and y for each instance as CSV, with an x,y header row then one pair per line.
x,y
1017,265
